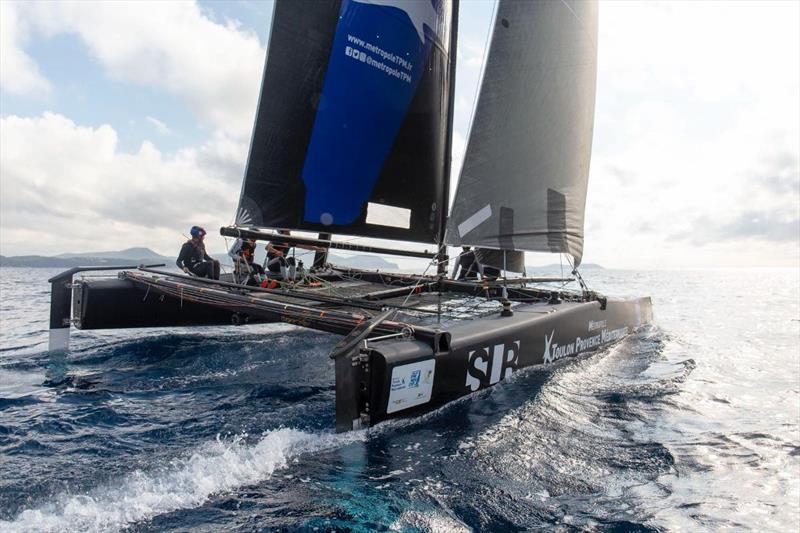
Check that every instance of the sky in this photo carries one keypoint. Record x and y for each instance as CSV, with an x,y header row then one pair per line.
x,y
123,124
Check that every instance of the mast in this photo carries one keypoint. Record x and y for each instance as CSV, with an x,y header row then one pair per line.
x,y
448,160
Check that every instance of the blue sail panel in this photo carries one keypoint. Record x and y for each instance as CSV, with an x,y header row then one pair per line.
x,y
375,66
351,128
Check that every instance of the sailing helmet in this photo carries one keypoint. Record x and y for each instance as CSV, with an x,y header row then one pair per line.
x,y
197,231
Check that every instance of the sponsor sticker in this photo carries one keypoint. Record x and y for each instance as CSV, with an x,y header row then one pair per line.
x,y
411,385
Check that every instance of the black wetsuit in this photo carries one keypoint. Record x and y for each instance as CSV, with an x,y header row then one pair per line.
x,y
274,261
194,257
468,267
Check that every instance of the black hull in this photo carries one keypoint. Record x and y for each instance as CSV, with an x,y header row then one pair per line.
x,y
118,304
400,378
385,367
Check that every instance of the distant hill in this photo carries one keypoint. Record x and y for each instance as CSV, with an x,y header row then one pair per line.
x,y
139,255
129,253
131,256
367,262
584,266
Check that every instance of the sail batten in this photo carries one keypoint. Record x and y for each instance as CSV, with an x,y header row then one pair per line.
x,y
525,172
350,134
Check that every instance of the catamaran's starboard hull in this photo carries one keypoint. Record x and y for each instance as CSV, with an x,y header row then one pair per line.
x,y
398,378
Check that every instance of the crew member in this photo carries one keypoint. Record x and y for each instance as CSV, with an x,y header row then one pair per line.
x,y
467,266
243,253
193,258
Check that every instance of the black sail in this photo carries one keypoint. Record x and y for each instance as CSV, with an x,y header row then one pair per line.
x,y
526,168
350,132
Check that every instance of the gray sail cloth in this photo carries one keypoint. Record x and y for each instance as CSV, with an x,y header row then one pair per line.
x,y
526,168
510,261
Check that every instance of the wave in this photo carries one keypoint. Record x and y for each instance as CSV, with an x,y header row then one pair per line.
x,y
216,467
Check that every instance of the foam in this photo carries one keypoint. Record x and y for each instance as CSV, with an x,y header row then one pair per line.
x,y
218,466
428,521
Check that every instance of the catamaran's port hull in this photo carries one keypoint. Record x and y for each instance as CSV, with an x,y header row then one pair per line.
x,y
118,303
398,378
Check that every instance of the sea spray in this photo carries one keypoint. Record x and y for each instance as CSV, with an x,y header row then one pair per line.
x,y
217,466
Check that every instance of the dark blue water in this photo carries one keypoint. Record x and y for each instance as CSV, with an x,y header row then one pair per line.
x,y
694,424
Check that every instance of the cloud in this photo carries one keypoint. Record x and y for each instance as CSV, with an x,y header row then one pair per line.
x,y
780,174
173,46
696,135
160,127
770,226
695,150
65,187
19,74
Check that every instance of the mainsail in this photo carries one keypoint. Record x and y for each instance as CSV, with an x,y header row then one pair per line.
x,y
351,128
525,173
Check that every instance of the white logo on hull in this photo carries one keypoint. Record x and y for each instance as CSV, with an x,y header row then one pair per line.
x,y
503,359
547,342
596,324
554,351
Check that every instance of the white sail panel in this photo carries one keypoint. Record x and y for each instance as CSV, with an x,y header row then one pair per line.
x,y
525,173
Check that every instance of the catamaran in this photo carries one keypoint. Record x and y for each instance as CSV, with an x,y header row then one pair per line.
x,y
353,137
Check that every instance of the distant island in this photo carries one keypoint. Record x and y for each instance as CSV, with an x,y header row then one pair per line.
x,y
140,255
129,256
565,266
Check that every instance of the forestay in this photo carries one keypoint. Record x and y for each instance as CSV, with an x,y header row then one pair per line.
x,y
351,128
525,173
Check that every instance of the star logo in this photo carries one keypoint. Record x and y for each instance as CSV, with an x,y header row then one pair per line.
x,y
548,355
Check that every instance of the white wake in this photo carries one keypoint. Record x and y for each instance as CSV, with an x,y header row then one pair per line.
x,y
216,467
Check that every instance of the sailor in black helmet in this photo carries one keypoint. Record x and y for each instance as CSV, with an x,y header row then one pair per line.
x,y
193,258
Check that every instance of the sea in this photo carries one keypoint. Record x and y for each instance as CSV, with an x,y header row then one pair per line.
x,y
692,424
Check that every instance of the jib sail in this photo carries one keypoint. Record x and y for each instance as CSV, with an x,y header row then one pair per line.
x,y
526,168
350,133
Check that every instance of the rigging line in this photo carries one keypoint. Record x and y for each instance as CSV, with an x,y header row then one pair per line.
x,y
580,23
414,288
580,279
328,285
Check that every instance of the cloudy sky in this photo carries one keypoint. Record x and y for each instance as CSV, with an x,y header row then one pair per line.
x,y
124,124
